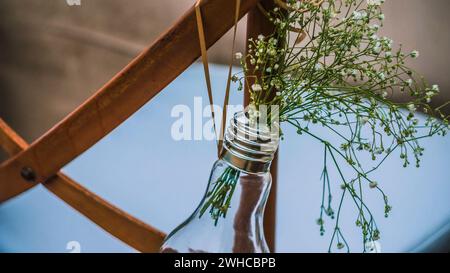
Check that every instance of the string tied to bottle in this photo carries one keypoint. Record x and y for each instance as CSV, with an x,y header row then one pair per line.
x,y
203,49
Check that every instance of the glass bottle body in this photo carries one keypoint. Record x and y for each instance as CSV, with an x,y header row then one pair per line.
x,y
240,231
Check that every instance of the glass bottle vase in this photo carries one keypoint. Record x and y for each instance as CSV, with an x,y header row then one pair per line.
x,y
229,218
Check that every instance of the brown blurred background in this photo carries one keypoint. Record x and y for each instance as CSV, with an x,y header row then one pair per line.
x,y
54,56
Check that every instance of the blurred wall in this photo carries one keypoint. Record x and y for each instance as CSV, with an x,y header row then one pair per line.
x,y
54,56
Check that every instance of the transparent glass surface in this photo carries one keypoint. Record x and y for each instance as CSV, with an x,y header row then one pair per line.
x,y
240,231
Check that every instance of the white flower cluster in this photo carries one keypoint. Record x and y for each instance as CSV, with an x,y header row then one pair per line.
x,y
375,2
431,92
256,87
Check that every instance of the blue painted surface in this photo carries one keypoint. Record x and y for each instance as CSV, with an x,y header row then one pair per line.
x,y
139,168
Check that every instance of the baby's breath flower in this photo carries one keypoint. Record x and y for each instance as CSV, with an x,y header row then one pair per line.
x,y
412,108
357,15
364,120
373,184
256,87
374,2
377,48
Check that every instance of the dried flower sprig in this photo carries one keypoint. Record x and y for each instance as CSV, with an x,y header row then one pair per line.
x,y
342,76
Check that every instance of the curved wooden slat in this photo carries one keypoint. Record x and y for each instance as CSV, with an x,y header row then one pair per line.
x,y
129,90
120,224
10,141
12,144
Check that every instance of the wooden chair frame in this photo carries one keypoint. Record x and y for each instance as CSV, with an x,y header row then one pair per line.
x,y
111,105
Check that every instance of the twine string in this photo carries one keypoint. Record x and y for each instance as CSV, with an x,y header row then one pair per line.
x,y
202,40
203,49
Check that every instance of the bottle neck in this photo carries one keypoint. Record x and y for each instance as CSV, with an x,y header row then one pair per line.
x,y
250,145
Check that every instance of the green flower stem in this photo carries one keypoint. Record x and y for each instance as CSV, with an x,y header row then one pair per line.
x,y
219,197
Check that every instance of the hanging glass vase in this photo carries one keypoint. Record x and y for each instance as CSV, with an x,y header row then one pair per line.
x,y
229,218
